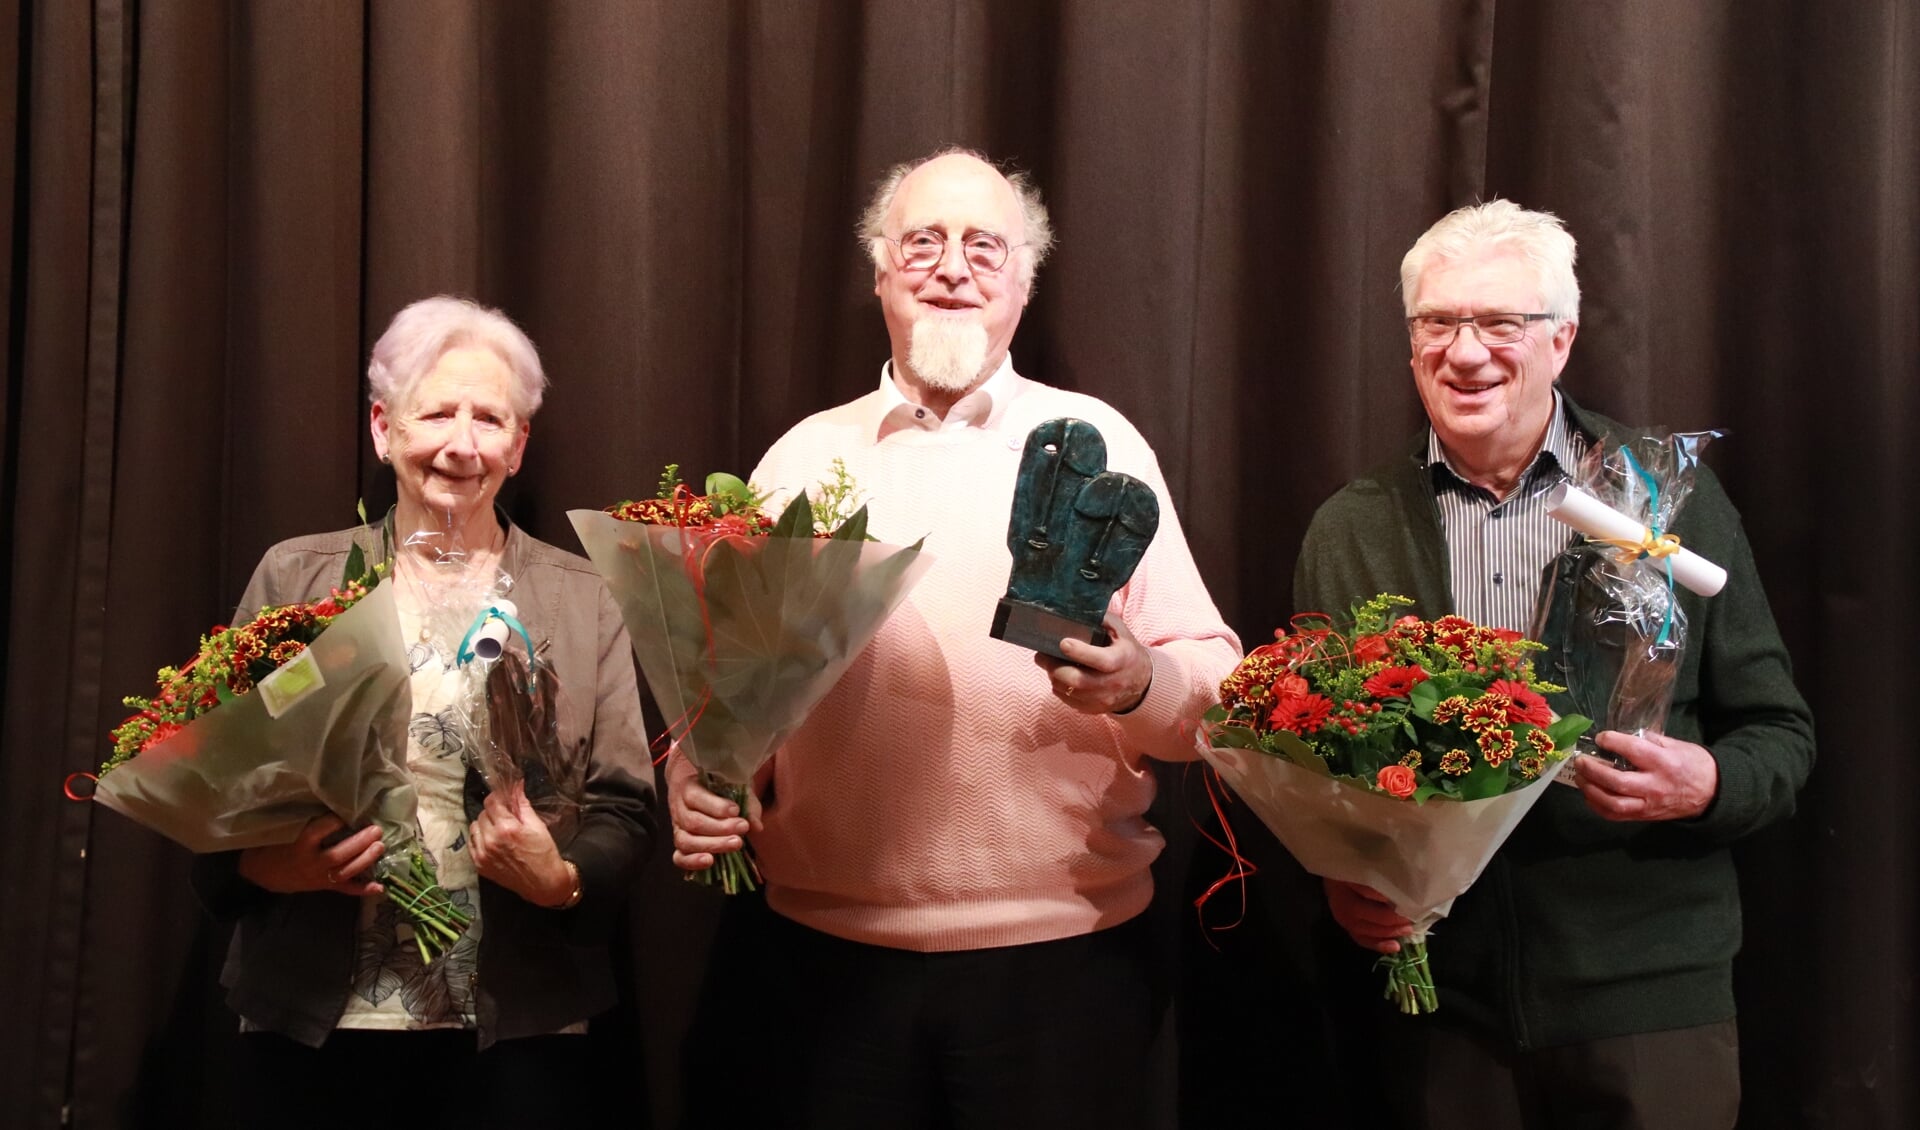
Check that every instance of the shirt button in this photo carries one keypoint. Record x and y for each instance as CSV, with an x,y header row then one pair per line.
x,y
1499,578
919,413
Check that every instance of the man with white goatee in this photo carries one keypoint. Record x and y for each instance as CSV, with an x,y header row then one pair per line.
x,y
955,844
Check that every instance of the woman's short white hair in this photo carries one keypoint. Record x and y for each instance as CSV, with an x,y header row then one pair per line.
x,y
1537,238
1033,214
425,331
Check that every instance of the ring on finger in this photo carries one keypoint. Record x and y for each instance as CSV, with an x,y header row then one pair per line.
x,y
333,876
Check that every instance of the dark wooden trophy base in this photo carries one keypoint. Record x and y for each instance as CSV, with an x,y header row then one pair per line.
x,y
1034,628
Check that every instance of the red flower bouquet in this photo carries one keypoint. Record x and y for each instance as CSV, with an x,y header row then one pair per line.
x,y
1396,753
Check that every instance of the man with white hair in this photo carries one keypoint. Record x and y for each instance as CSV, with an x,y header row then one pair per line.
x,y
1586,979
955,844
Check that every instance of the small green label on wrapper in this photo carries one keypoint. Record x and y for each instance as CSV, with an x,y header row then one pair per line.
x,y
297,679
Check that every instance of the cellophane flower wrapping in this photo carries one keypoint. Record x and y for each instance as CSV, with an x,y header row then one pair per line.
x,y
237,777
740,637
1628,631
506,712
1419,856
521,743
257,766
1397,754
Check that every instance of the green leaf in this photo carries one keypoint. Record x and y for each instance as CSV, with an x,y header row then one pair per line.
x,y
730,487
356,568
1237,737
796,521
1424,697
722,483
1568,727
1483,780
1298,752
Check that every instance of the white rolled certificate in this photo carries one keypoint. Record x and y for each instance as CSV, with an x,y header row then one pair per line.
x,y
1596,519
491,639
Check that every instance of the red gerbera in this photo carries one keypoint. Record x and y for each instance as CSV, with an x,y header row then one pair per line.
x,y
1528,705
1395,682
1302,714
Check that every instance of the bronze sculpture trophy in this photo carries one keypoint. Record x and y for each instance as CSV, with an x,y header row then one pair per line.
x,y
1076,533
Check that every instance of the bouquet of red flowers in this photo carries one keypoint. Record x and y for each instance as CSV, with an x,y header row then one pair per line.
x,y
743,622
302,709
1396,753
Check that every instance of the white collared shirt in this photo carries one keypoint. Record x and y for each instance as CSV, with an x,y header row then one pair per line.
x,y
981,408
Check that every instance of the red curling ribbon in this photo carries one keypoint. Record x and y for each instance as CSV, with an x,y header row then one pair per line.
x,y
1238,870
66,786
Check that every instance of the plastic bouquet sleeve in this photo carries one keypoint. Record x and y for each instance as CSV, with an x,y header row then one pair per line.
x,y
1624,498
327,731
1419,856
522,743
1394,753
740,637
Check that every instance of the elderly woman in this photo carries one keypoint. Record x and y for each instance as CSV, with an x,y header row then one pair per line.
x,y
342,1021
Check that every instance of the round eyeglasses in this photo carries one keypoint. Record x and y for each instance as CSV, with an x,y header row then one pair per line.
x,y
1492,329
921,248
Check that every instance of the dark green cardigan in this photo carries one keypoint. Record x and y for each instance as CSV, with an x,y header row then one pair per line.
x,y
1581,927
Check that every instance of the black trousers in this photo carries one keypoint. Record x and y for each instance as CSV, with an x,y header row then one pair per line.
x,y
1052,1034
1683,1079
417,1081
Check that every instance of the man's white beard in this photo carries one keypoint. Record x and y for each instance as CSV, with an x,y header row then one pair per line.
x,y
948,353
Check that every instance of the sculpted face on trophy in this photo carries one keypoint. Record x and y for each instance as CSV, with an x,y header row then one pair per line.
x,y
1076,532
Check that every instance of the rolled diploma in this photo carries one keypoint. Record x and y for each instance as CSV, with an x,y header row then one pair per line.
x,y
1596,519
491,640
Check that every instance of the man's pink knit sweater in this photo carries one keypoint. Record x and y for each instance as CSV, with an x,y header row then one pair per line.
x,y
940,797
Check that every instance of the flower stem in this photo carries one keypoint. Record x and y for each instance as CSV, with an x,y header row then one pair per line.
x,y
1410,978
414,888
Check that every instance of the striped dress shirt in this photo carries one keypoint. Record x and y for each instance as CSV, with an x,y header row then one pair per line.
x,y
1499,550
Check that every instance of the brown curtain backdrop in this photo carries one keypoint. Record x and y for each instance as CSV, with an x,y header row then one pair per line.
x,y
215,206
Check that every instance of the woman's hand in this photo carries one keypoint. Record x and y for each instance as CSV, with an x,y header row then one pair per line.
x,y
511,846
309,863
